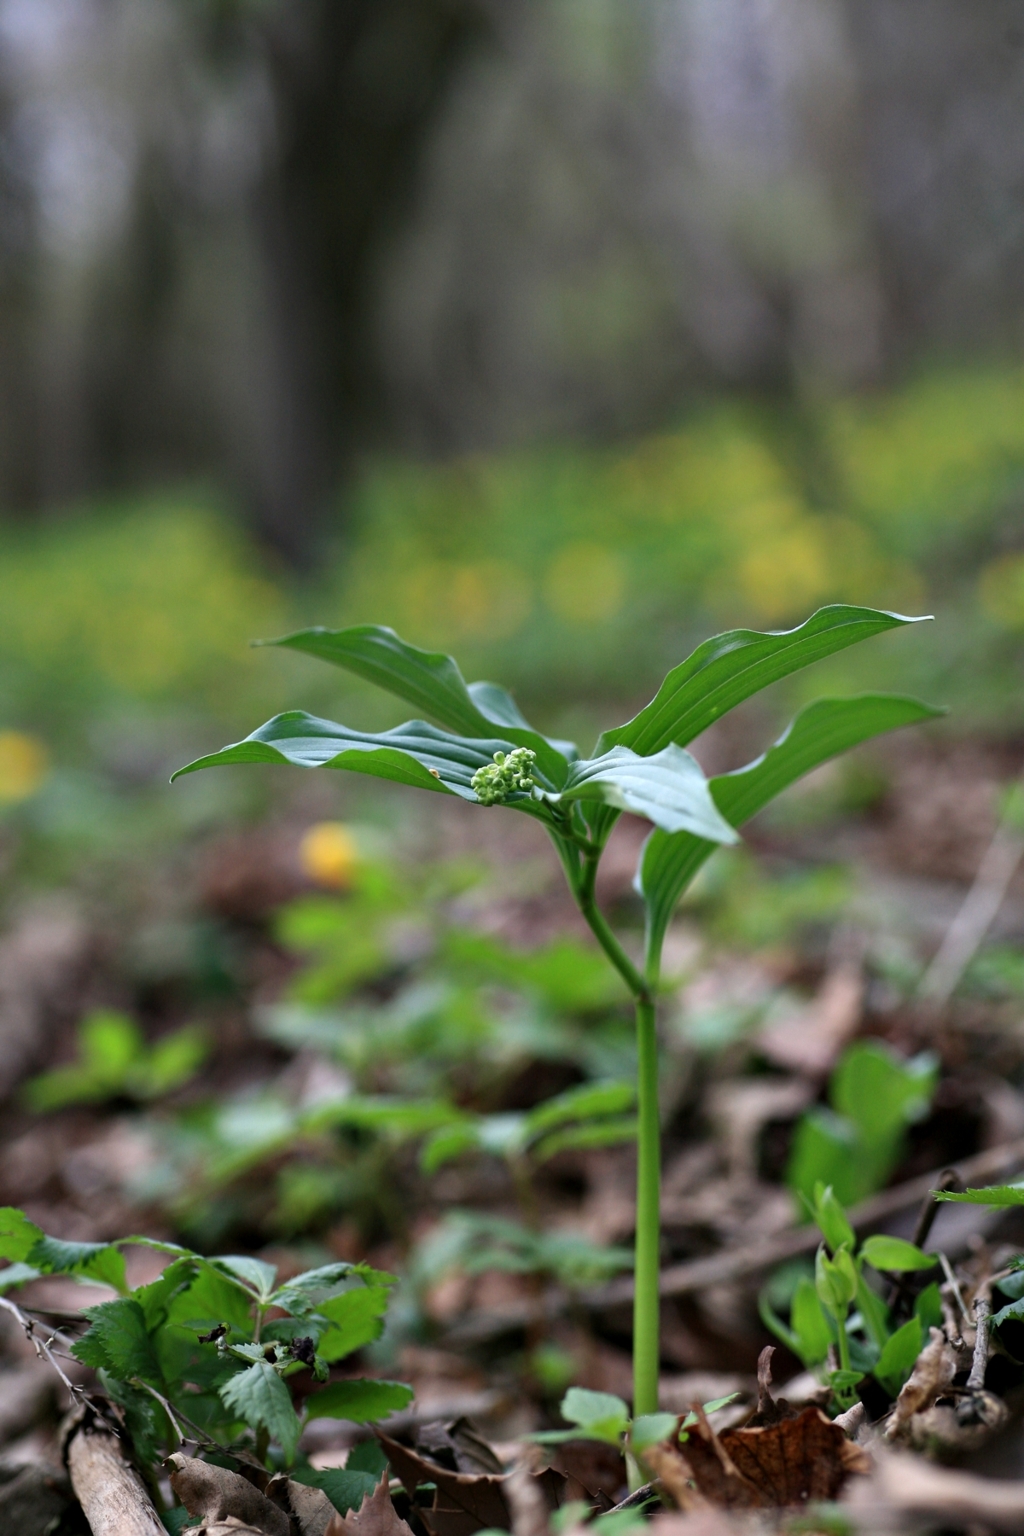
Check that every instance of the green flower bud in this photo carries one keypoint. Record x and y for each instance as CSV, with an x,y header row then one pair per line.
x,y
495,782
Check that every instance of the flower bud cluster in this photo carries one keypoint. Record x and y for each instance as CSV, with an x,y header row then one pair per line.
x,y
494,783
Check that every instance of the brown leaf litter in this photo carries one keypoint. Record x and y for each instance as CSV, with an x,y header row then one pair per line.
x,y
783,1458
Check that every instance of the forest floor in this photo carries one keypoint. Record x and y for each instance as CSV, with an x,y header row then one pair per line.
x,y
817,938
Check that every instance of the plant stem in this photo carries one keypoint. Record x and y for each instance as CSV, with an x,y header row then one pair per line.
x,y
844,1342
648,1218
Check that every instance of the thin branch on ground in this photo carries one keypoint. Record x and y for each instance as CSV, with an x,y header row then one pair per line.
x,y
42,1347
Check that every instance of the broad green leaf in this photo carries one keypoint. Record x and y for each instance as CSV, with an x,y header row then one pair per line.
x,y
824,1151
18,1235
208,1298
899,1356
414,753
448,1142
823,730
832,1219
260,1398
668,787
880,1092
367,1456
649,1429
584,1102
810,1326
1013,1312
360,1400
598,1133
101,1262
301,1293
996,1194
355,1318
581,1406
928,1307
428,680
874,1312
565,973
345,1487
729,668
895,1253
257,1276
117,1341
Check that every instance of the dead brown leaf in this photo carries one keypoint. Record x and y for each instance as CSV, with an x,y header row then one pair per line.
x,y
811,1040
904,1484
376,1516
798,1458
931,1377
216,1495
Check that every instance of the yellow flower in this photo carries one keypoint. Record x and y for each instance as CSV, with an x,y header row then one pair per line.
x,y
24,764
329,855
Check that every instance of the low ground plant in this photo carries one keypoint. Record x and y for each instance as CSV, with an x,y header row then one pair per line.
x,y
207,1352
484,752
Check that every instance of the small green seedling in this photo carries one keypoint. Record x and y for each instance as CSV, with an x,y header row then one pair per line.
x,y
114,1061
605,1417
856,1143
820,1308
205,1352
484,752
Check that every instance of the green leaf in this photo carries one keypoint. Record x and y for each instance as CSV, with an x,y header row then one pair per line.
x,y
842,1380
996,1194
895,1253
899,1356
18,1235
824,1151
261,1399
118,1341
414,753
594,1409
300,1294
101,1262
172,1061
874,1312
428,680
367,1456
585,1102
356,1318
360,1400
835,1280
879,1091
809,1324
928,1307
599,1133
17,1274
823,730
448,1142
729,668
832,1219
668,787
254,1274
345,1487
650,1429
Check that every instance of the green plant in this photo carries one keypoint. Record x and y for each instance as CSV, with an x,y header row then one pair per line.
x,y
114,1060
206,1351
854,1145
475,1241
820,1316
485,752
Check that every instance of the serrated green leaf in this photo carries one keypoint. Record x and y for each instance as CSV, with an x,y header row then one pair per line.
x,y
367,1456
996,1194
359,1400
826,728
899,1356
118,1341
731,667
101,1262
895,1253
18,1235
257,1276
355,1319
345,1487
428,680
260,1398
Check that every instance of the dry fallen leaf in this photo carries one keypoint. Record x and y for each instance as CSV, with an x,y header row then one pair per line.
x,y
216,1495
902,1484
376,1516
811,1040
795,1460
931,1377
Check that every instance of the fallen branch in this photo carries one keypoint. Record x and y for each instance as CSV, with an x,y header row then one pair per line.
x,y
112,1494
738,1263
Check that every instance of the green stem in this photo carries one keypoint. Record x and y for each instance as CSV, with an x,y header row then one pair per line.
x,y
646,1303
844,1343
646,1300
